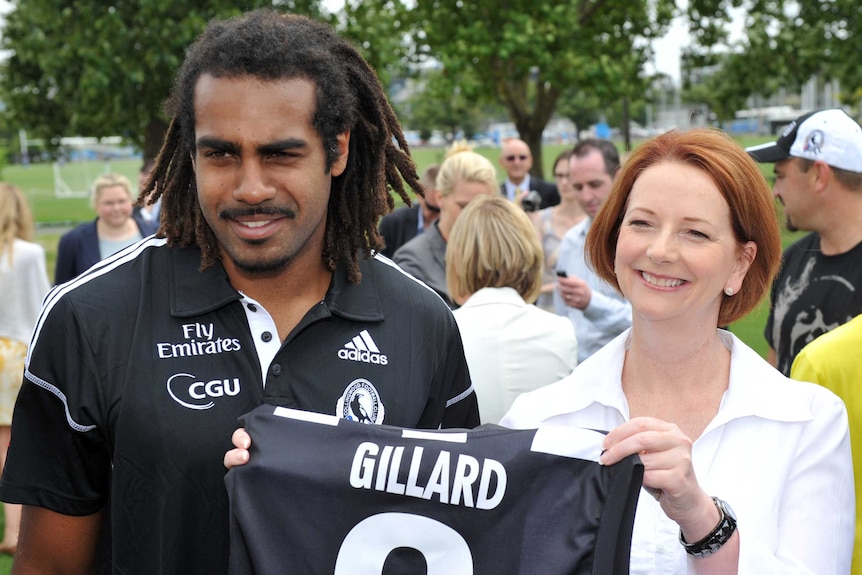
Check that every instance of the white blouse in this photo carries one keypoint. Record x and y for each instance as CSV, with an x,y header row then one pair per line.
x,y
23,284
512,347
777,451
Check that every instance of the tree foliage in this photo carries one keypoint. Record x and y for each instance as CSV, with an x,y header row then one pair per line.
x,y
443,102
526,53
102,68
784,44
380,30
105,67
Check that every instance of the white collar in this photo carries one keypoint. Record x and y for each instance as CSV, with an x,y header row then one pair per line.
x,y
756,389
490,295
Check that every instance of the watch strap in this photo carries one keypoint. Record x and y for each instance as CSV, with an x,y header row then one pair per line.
x,y
720,535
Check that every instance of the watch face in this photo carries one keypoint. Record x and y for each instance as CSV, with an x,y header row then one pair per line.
x,y
728,510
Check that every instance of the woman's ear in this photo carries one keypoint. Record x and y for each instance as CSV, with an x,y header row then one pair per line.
x,y
744,257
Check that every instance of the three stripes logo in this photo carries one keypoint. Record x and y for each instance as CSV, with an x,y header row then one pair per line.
x,y
362,348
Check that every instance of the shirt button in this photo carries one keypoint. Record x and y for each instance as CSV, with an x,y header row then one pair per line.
x,y
252,307
275,369
266,337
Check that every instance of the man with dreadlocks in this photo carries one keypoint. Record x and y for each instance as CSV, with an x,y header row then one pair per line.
x,y
260,286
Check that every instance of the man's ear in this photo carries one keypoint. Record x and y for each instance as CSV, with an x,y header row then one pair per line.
x,y
822,174
342,140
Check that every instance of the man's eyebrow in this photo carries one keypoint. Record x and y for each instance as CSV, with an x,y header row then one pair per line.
x,y
263,149
216,144
281,146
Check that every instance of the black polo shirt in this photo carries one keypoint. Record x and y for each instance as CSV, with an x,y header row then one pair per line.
x,y
139,369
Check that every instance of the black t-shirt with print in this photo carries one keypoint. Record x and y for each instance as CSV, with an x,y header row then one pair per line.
x,y
813,294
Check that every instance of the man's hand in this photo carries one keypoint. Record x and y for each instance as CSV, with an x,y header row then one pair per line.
x,y
238,456
574,291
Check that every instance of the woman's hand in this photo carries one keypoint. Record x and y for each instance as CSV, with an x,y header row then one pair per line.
x,y
238,456
668,471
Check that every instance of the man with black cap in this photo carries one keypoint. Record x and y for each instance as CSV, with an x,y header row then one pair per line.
x,y
818,179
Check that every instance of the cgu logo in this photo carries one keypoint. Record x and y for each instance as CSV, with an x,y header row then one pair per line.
x,y
198,392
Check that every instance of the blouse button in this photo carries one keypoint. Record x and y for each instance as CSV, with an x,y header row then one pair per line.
x,y
252,307
266,337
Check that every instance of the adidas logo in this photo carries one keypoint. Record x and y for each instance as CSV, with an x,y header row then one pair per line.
x,y
362,348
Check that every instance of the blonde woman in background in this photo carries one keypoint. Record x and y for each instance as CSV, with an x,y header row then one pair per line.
x,y
463,176
494,271
23,284
114,229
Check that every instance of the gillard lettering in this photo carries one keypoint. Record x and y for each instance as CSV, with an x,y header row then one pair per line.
x,y
454,479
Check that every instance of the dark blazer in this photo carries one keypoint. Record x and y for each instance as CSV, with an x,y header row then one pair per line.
x,y
79,249
398,228
548,191
424,257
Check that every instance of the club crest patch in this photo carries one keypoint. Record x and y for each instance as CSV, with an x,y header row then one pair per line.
x,y
360,402
814,143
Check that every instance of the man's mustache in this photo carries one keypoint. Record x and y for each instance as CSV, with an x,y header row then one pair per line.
x,y
236,213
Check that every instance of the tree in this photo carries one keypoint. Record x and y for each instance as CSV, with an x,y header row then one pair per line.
x,y
581,107
527,52
379,30
722,75
103,68
785,43
443,102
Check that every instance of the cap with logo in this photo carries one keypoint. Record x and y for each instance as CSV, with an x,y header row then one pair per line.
x,y
827,135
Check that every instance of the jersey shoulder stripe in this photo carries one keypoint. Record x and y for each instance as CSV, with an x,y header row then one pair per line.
x,y
384,260
99,269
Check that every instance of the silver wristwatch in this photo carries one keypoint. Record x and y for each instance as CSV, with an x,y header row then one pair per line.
x,y
715,538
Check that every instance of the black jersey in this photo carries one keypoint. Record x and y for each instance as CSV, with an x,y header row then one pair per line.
x,y
140,367
813,294
321,495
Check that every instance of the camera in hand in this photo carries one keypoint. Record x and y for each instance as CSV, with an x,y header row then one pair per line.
x,y
531,202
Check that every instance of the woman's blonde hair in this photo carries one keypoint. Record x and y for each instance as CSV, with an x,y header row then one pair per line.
x,y
462,164
493,244
16,221
107,181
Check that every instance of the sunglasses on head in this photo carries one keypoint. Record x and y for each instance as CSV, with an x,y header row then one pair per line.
x,y
522,157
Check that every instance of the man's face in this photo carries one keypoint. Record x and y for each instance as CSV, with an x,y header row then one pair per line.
x,y
430,204
590,180
793,189
261,171
144,175
516,159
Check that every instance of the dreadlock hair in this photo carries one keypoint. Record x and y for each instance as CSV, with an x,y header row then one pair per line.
x,y
269,45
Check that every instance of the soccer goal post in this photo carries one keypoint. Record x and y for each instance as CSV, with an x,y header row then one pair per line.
x,y
73,179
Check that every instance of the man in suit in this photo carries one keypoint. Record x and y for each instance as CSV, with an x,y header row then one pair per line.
x,y
404,224
517,160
